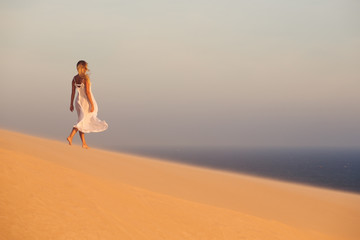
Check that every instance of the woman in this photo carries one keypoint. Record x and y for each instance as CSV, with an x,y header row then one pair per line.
x,y
85,105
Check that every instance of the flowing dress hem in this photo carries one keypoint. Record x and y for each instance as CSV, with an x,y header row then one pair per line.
x,y
90,131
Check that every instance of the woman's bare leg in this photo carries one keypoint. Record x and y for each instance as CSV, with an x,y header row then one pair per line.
x,y
70,137
82,137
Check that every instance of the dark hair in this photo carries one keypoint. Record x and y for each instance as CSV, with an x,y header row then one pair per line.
x,y
82,63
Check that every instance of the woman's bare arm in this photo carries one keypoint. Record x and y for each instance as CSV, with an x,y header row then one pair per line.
x,y
88,94
72,95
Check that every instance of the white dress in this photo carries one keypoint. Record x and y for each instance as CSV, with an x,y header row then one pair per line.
x,y
87,121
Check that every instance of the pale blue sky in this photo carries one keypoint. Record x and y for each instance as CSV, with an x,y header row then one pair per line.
x,y
226,73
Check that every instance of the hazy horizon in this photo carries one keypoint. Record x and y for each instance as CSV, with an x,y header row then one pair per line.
x,y
191,73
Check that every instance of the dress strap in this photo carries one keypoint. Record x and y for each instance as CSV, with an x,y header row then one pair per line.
x,y
77,84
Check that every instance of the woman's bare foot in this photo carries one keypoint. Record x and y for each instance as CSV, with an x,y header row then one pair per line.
x,y
69,140
85,146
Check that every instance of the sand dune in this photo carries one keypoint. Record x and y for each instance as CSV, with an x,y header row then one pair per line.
x,y
49,190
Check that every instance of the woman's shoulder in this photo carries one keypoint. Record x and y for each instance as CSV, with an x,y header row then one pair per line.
x,y
87,78
75,78
78,79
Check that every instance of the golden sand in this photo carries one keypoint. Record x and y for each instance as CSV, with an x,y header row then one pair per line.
x,y
50,190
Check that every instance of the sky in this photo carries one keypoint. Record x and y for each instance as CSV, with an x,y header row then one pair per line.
x,y
225,73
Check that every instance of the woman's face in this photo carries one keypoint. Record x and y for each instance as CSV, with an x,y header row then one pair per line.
x,y
82,70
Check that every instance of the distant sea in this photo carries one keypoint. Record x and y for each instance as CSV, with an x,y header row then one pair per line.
x,y
330,168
